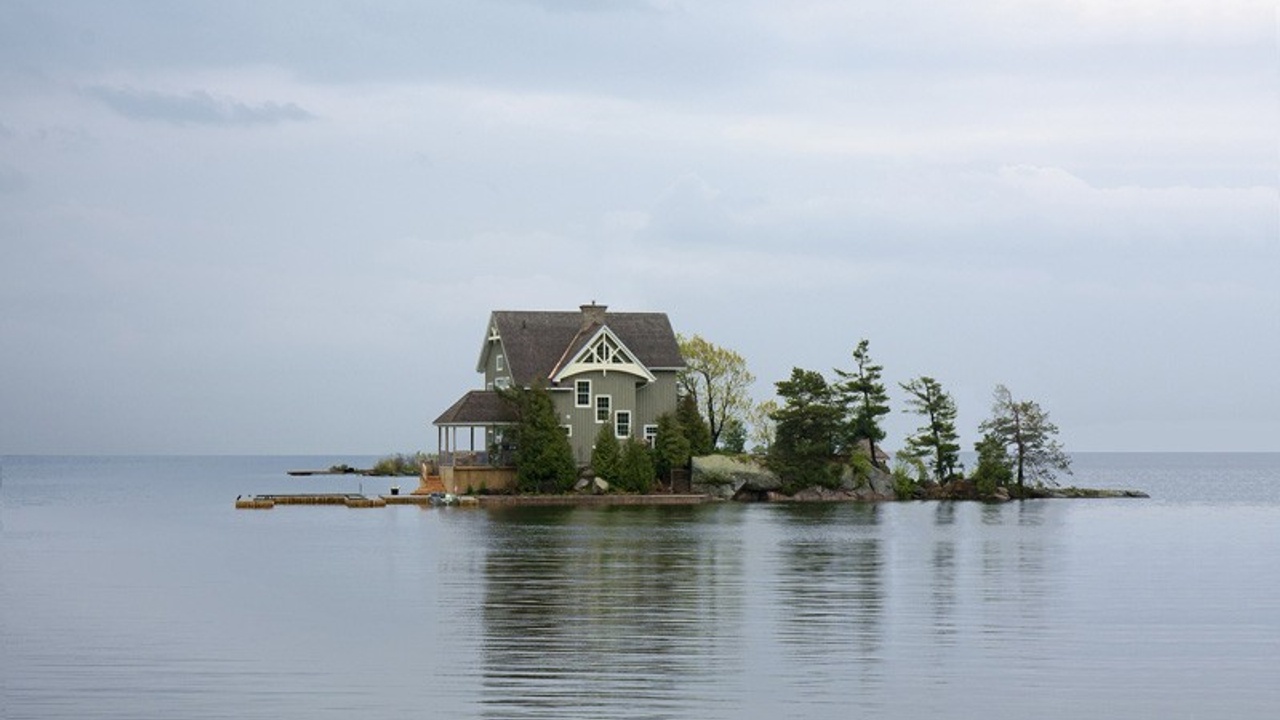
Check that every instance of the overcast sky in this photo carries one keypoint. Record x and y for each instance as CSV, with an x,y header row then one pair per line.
x,y
247,227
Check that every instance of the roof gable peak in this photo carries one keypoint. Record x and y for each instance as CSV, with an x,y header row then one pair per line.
x,y
603,351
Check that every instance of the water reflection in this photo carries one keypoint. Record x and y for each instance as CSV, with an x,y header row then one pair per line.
x,y
830,601
604,612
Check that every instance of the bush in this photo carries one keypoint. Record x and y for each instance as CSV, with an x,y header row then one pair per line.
x,y
862,469
399,465
909,473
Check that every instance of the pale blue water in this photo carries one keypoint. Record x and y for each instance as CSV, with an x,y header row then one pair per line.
x,y
131,588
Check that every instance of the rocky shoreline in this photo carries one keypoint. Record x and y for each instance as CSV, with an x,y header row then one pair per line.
x,y
738,478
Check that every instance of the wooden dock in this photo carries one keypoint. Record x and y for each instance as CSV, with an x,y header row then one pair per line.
x,y
351,500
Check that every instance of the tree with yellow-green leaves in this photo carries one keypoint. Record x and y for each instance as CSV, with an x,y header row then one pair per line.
x,y
717,378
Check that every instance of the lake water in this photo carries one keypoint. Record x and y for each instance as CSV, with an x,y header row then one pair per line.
x,y
131,588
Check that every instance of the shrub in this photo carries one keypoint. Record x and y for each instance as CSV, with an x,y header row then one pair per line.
x,y
909,473
862,469
399,464
635,467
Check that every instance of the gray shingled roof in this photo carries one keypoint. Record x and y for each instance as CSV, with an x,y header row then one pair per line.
x,y
537,341
478,407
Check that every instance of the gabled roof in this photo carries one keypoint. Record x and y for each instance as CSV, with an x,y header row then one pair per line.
x,y
478,407
537,342
601,349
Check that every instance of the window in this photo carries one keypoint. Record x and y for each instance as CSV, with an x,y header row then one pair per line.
x,y
498,362
582,393
622,423
604,404
502,383
568,430
651,434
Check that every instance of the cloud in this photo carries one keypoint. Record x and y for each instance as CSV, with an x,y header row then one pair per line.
x,y
195,108
12,180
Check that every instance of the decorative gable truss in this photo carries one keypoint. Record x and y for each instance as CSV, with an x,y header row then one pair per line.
x,y
604,352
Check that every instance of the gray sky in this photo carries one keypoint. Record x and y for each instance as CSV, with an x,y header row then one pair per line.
x,y
244,227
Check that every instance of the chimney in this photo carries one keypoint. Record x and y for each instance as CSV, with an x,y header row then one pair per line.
x,y
593,314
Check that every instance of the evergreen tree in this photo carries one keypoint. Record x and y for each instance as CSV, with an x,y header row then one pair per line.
x,y
994,467
695,428
734,439
808,427
865,400
671,447
543,456
605,454
635,467
937,439
1022,427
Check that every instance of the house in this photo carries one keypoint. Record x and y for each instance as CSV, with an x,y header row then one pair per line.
x,y
614,369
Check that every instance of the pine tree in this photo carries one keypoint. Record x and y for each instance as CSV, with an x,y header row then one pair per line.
x,y
671,447
605,454
808,427
543,456
695,428
865,400
994,467
1022,427
635,467
937,439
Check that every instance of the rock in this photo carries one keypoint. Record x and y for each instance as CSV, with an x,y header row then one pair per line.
x,y
726,477
878,487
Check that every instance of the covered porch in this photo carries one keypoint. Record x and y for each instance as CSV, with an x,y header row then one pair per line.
x,y
467,465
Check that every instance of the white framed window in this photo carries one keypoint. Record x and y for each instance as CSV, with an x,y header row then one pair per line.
x,y
498,362
568,430
582,393
622,423
502,383
604,405
651,434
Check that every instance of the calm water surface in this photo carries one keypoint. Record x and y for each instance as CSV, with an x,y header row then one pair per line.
x,y
131,588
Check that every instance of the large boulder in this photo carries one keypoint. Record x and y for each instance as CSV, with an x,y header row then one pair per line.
x,y
726,477
729,477
879,486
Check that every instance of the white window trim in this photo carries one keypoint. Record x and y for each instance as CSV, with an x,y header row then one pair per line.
x,y
502,383
651,434
568,430
608,408
498,363
617,424
578,396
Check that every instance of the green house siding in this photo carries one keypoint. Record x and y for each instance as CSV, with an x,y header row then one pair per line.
x,y
645,402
